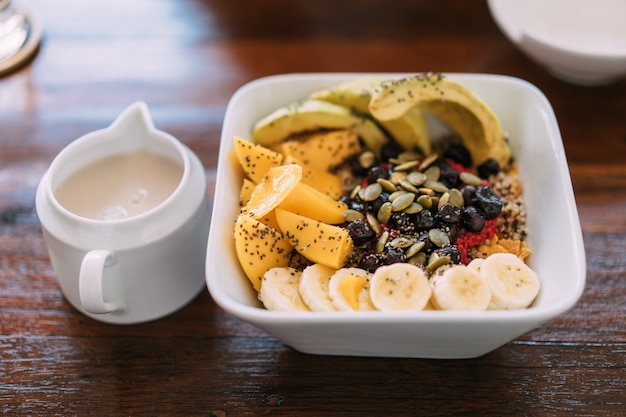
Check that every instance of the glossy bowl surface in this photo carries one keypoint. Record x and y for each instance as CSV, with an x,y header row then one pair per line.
x,y
579,41
555,235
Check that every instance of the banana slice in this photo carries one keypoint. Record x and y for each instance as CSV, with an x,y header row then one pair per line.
x,y
349,290
475,264
460,288
399,286
279,290
513,284
314,287
457,106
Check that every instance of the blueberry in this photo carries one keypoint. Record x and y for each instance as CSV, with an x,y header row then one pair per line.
x,y
488,168
377,172
459,153
488,201
469,193
449,176
473,219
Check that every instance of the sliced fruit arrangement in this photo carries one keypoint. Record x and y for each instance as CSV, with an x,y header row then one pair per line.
x,y
503,282
300,236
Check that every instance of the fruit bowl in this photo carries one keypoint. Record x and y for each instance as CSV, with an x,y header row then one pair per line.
x,y
555,236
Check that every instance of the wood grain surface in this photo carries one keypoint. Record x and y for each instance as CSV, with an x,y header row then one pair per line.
x,y
185,58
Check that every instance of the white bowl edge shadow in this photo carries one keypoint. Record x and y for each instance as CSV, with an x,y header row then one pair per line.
x,y
558,250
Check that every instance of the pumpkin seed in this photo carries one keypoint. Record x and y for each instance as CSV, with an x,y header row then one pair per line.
x,y
406,166
402,242
396,194
427,161
408,186
438,237
387,185
402,202
355,192
426,191
433,173
352,215
382,241
414,208
371,192
416,178
367,159
407,156
469,178
397,176
384,213
436,186
418,259
425,201
436,261
456,198
443,200
414,249
371,219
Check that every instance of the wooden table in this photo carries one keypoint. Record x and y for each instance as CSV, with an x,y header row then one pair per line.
x,y
185,58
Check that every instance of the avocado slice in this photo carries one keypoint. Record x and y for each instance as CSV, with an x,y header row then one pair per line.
x,y
410,130
311,115
465,113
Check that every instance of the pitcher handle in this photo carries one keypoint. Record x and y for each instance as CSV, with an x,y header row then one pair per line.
x,y
90,281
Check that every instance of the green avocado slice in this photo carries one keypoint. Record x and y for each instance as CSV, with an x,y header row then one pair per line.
x,y
410,130
311,115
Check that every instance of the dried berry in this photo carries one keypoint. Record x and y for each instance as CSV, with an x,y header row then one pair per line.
x,y
361,232
488,201
473,219
459,153
488,168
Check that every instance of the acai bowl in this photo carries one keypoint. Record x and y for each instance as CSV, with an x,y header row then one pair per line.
x,y
554,234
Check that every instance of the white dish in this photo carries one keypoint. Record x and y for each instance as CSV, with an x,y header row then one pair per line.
x,y
555,235
579,41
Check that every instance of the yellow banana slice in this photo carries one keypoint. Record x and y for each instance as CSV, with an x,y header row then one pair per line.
x,y
513,284
399,286
314,287
456,105
349,290
279,290
460,288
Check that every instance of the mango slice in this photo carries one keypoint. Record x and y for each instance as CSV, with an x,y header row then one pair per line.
x,y
323,150
259,248
255,160
277,184
477,125
323,181
319,242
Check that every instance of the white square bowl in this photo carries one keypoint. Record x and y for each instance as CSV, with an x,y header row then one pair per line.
x,y
554,234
